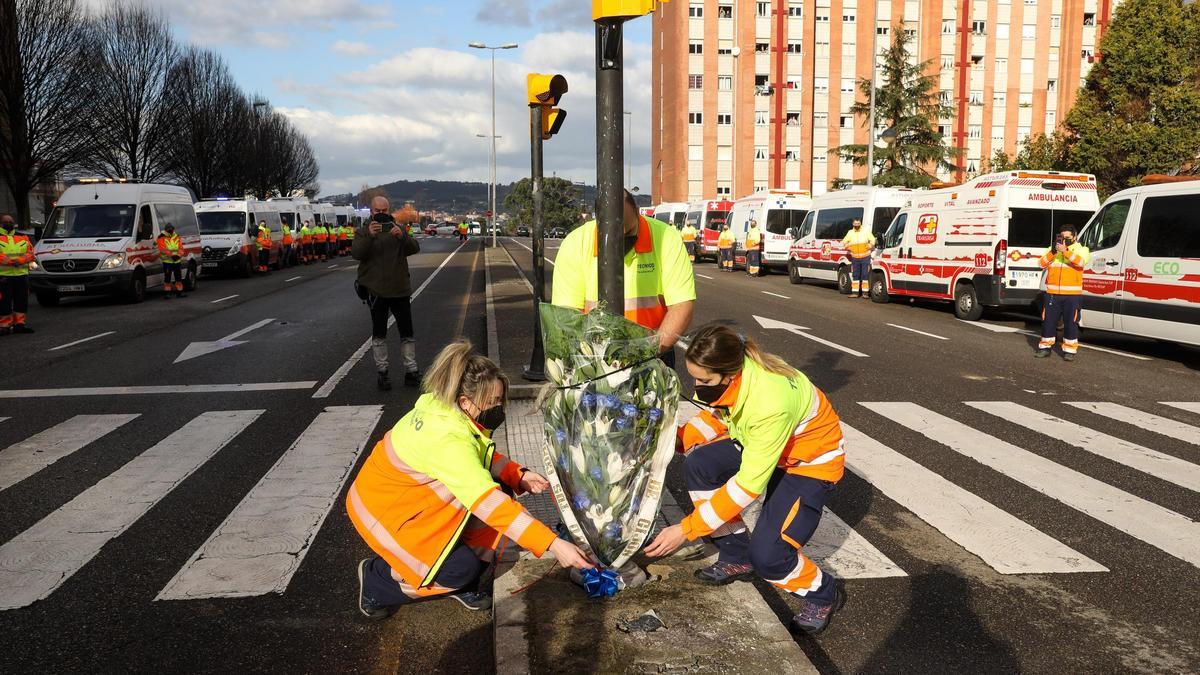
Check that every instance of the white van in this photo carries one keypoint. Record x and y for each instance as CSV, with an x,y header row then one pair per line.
x,y
324,214
1144,275
101,239
779,214
818,253
708,217
978,243
672,213
229,228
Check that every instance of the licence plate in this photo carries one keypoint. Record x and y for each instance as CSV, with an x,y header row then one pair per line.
x,y
71,289
208,264
1027,278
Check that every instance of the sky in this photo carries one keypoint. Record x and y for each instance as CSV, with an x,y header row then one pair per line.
x,y
389,90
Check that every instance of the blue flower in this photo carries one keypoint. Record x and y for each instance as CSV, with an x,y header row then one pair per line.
x,y
560,436
629,410
655,415
608,401
648,439
635,504
581,501
562,462
613,530
587,401
596,473
622,423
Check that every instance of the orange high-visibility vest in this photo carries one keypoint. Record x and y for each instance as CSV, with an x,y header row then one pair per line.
x,y
859,243
1064,271
169,247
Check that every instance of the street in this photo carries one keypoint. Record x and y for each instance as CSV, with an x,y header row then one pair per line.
x,y
172,476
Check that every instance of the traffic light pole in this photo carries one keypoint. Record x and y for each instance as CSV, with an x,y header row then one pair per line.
x,y
610,161
535,371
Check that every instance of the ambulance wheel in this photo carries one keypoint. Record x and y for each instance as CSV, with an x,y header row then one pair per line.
x,y
794,272
843,280
137,288
247,268
191,279
966,303
879,292
47,298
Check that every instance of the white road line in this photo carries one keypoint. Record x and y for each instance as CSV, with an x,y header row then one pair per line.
x,y
1164,529
777,295
991,326
21,460
827,343
165,389
548,260
292,279
1190,406
1023,331
845,553
39,560
228,297
489,310
332,266
1157,464
338,375
914,330
77,342
264,540
1007,544
703,276
1159,425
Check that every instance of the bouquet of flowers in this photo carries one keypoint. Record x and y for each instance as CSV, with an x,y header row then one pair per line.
x,y
609,426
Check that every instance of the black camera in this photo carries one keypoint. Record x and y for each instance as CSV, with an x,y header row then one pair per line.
x,y
382,218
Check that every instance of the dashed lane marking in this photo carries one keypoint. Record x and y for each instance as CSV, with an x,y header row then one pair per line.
x,y
228,297
79,342
914,330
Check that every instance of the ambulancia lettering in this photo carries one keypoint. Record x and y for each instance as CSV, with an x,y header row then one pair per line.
x,y
1040,197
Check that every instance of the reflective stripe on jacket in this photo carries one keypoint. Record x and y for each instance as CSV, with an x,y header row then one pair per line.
x,y
1064,271
725,240
287,236
859,243
753,238
688,233
16,252
170,247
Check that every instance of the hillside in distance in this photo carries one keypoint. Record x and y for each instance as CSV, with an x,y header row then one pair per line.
x,y
455,196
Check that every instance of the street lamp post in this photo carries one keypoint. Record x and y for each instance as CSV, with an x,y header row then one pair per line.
x,y
871,114
492,185
480,45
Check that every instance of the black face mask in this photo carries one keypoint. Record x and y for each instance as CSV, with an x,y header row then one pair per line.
x,y
630,242
709,393
492,418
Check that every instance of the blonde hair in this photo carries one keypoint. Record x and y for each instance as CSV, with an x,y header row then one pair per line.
x,y
459,371
719,349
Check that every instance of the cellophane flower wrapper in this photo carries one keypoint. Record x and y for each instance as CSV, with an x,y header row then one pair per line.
x,y
609,428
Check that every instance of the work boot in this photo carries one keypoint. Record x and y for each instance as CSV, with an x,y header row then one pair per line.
x,y
365,605
383,382
474,600
1068,356
22,328
814,617
721,573
412,378
1041,353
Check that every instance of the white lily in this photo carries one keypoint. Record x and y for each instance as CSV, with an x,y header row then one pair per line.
x,y
577,457
617,468
602,427
619,378
554,369
599,515
617,494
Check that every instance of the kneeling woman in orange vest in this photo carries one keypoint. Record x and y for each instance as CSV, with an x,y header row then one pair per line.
x,y
427,499
772,431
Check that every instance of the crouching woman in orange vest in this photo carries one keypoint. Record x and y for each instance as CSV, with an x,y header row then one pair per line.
x,y
427,499
772,431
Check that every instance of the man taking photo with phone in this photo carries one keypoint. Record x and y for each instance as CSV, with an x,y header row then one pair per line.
x,y
1064,263
382,247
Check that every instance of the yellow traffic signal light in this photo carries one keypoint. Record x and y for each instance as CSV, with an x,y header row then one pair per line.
x,y
552,121
545,89
614,9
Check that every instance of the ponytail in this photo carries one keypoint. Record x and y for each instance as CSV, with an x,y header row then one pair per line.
x,y
458,371
719,349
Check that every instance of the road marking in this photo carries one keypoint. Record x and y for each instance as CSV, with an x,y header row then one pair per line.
x,y
228,297
991,326
1006,543
21,460
332,266
1023,331
548,261
777,295
264,540
703,276
1189,406
1159,425
799,330
201,348
1166,530
77,342
344,369
292,279
157,389
844,552
914,330
39,560
1152,462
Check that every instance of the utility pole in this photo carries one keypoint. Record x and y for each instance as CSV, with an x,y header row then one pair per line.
x,y
871,114
610,106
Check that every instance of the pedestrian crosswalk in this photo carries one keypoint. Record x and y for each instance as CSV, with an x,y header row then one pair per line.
x,y
265,538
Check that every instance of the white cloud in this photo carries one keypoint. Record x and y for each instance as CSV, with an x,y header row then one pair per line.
x,y
346,48
566,14
271,40
504,13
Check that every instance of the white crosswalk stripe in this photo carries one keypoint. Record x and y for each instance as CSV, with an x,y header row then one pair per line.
x,y
840,550
20,461
40,559
1164,529
1149,461
1007,544
1155,423
1190,406
263,541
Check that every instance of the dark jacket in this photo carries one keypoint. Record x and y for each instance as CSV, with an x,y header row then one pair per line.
x,y
383,261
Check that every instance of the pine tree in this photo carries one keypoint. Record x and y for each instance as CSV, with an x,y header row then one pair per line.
x,y
907,100
1139,111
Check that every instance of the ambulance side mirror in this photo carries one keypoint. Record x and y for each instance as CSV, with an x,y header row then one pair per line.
x,y
793,233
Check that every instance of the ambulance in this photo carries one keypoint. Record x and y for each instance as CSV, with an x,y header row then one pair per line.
x,y
817,252
228,230
101,239
779,214
324,214
708,217
672,213
978,244
647,211
1144,274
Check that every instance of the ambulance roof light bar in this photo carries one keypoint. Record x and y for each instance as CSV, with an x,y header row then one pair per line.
x,y
94,181
1159,179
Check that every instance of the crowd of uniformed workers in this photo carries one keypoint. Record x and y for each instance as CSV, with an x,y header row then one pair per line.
x,y
306,245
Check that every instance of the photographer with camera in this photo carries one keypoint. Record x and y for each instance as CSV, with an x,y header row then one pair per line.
x,y
1064,263
382,247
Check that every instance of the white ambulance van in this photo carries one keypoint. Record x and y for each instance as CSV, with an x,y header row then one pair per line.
x,y
779,214
101,239
817,252
978,243
672,213
324,214
708,217
1144,275
228,231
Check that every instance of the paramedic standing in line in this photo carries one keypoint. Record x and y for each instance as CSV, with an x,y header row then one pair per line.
x,y
16,252
858,243
1064,263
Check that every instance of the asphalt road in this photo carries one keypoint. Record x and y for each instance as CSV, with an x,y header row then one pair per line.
x,y
954,610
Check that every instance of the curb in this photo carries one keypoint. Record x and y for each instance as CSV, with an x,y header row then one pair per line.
x,y
515,391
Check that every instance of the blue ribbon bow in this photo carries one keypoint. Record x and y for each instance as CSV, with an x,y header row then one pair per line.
x,y
600,583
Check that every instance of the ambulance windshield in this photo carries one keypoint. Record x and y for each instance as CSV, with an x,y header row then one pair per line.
x,y
1035,228
93,220
713,220
222,222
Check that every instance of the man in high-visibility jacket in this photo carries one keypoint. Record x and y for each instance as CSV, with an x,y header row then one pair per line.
x,y
688,233
725,248
285,251
859,243
660,291
462,231
321,237
170,249
262,241
16,252
754,240
305,242
1064,264
341,239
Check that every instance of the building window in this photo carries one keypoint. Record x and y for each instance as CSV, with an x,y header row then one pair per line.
x,y
760,152
724,118
793,119
793,82
849,17
794,47
695,118
724,82
847,121
764,9
944,96
818,155
997,134
1087,54
1089,18
947,63
974,131
998,98
695,47
696,153
822,18
792,155
724,51
696,11
1056,21
943,130
1031,3
976,97
947,26
1022,134
820,119
1002,31
724,11
695,81
1051,85
760,118
762,80
881,30
1001,65
979,27
1026,66
821,83
977,61
761,47
848,85
723,191
796,9
1025,99
1028,31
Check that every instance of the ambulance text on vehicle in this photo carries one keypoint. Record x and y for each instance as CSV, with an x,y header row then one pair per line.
x,y
708,217
779,214
818,252
978,243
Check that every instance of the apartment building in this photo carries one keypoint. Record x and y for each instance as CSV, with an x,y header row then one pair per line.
x,y
751,95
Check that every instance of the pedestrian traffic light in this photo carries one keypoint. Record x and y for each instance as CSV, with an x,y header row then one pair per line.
x,y
545,89
626,9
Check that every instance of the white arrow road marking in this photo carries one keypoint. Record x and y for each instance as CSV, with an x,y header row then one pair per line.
x,y
201,348
792,328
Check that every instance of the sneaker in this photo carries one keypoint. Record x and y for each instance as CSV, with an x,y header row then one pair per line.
x,y
368,608
1066,357
474,600
721,573
813,617
22,328
412,379
383,381
1041,353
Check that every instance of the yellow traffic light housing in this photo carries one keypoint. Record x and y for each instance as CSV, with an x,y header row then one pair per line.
x,y
545,89
552,121
622,9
